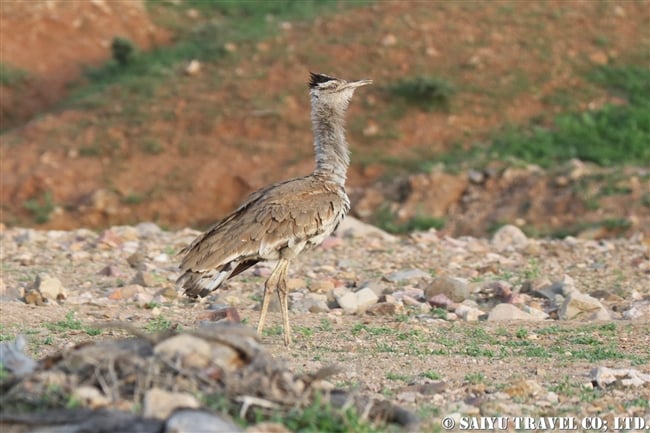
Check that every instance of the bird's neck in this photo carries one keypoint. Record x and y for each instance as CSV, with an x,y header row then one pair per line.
x,y
332,154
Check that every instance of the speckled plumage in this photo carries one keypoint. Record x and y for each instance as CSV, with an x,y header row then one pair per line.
x,y
279,221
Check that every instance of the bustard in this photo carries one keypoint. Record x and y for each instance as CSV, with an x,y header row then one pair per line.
x,y
280,221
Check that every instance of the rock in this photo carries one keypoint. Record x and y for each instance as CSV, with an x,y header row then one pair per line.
x,y
34,297
389,40
525,389
193,421
358,302
467,313
49,287
109,271
159,403
455,289
440,300
509,237
475,176
311,303
125,292
146,279
410,274
13,358
578,306
414,303
193,68
136,260
604,377
383,309
507,312
639,310
353,228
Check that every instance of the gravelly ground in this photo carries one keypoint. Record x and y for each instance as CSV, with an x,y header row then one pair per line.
x,y
433,361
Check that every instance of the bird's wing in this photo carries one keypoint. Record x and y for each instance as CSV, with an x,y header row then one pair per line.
x,y
270,219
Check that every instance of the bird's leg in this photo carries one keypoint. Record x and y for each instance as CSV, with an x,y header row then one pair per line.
x,y
283,294
269,287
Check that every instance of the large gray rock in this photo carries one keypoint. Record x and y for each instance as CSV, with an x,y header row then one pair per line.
x,y
578,306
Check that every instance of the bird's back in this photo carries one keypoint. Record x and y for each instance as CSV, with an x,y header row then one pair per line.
x,y
275,222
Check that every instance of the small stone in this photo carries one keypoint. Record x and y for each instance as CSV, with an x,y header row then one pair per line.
x,y
311,303
169,292
49,287
192,13
639,310
454,288
475,176
509,237
230,47
410,274
125,292
159,403
440,300
619,11
142,299
578,306
468,314
389,40
136,260
193,421
351,227
146,279
193,68
508,312
383,309
109,271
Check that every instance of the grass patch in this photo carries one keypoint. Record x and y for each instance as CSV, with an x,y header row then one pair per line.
x,y
69,323
612,135
385,219
158,324
41,207
428,93
12,76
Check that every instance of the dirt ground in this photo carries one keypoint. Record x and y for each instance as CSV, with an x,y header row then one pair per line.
x,y
125,159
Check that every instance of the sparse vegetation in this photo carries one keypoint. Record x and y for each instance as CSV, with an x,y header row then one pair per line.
x,y
11,76
426,92
41,207
385,219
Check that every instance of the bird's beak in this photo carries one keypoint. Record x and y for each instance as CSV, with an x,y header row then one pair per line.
x,y
355,84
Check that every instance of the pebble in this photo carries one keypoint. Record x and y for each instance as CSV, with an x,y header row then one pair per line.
x,y
639,310
146,279
383,309
467,313
410,274
454,288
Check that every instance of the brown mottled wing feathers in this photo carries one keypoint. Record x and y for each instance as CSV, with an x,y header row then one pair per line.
x,y
299,209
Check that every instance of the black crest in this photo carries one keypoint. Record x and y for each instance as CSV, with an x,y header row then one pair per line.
x,y
317,79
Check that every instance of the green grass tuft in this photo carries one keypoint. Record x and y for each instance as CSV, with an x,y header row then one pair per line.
x,y
11,76
427,93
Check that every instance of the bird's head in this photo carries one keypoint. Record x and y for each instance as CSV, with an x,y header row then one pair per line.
x,y
331,91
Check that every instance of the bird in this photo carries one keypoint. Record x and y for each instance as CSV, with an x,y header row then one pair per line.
x,y
280,221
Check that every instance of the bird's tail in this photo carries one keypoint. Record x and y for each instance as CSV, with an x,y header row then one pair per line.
x,y
201,283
